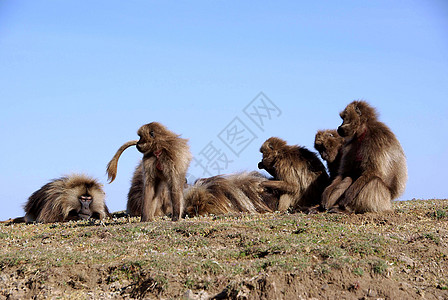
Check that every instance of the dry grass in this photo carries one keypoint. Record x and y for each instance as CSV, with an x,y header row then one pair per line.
x,y
401,254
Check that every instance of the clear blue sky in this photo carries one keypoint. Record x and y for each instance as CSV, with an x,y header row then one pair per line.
x,y
77,79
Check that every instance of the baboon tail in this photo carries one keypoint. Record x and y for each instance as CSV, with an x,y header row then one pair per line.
x,y
112,165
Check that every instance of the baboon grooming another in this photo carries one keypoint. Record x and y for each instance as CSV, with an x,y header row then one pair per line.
x,y
373,166
74,197
299,175
166,158
329,145
229,194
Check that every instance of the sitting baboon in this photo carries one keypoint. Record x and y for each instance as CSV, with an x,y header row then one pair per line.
x,y
373,166
166,158
329,145
229,194
298,174
73,197
134,206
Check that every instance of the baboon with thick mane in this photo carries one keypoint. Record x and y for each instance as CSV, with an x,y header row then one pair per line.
x,y
229,194
329,145
73,197
162,171
298,174
373,168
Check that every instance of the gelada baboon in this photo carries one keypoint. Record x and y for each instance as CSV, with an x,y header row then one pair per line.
x,y
134,206
329,145
298,174
166,158
229,194
373,166
74,197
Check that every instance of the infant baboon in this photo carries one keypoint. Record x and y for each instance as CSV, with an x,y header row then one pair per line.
x,y
329,145
373,166
166,158
74,197
299,175
229,194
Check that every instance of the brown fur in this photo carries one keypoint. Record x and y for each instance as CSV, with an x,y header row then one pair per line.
x,y
60,200
229,194
329,145
161,173
373,168
135,204
298,174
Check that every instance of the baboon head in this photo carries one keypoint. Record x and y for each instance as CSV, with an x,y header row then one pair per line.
x,y
354,117
327,143
84,212
270,150
152,135
85,199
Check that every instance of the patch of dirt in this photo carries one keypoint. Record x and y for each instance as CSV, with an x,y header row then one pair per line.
x,y
337,285
397,255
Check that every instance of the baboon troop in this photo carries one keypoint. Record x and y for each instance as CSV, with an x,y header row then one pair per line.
x,y
372,170
365,162
74,197
299,177
161,173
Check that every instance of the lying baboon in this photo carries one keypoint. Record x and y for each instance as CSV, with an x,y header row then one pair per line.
x,y
166,158
229,194
329,145
73,197
298,174
373,168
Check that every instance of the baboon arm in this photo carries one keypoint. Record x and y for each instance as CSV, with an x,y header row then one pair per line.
x,y
177,199
149,203
284,202
326,203
279,185
353,191
334,191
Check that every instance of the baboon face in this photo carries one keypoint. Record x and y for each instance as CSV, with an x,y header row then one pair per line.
x,y
328,143
270,150
351,120
149,135
84,208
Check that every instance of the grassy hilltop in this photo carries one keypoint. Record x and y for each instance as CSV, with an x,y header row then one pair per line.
x,y
398,255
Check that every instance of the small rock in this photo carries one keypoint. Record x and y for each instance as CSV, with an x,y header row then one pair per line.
x,y
407,271
419,279
371,293
405,286
407,260
190,295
